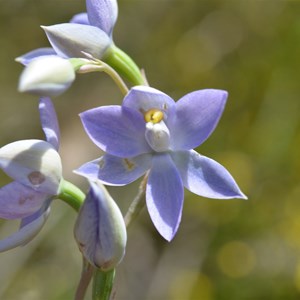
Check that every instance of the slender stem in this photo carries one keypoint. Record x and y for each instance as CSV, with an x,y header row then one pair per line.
x,y
96,65
116,78
74,197
137,204
103,284
86,276
71,194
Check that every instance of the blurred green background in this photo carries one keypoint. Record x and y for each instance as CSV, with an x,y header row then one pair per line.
x,y
232,249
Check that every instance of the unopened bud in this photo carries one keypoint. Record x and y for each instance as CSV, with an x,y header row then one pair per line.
x,y
100,229
34,163
47,76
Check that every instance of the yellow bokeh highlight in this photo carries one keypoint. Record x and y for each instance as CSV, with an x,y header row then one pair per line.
x,y
289,225
297,276
236,259
190,285
289,230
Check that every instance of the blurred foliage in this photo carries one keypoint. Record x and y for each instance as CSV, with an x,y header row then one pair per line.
x,y
232,249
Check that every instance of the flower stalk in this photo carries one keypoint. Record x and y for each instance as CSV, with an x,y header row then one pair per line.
x,y
103,284
85,279
96,65
71,194
137,204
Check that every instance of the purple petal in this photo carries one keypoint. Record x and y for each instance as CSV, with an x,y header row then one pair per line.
x,y
164,196
205,177
116,130
26,233
197,115
25,221
28,57
81,18
102,14
114,170
49,122
70,40
144,98
18,201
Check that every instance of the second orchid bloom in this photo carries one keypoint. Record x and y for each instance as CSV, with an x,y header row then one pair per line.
x,y
36,168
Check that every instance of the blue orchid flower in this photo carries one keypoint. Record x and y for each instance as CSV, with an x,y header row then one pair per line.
x,y
36,168
151,133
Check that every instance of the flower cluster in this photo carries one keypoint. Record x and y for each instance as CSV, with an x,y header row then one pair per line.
x,y
149,135
49,71
89,32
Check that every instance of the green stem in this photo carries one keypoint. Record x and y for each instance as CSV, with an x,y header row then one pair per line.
x,y
116,78
96,65
137,204
86,276
71,194
124,65
103,284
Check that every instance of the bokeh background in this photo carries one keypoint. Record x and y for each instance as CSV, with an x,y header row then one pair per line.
x,y
233,249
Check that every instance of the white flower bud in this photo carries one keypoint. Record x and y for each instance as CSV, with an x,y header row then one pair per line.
x,y
47,76
34,163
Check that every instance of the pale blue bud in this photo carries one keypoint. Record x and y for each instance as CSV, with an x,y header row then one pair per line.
x,y
100,229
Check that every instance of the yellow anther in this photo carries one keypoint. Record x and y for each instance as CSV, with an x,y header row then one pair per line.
x,y
153,115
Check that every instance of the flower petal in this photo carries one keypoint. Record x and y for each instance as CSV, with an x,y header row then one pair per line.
x,y
18,201
49,122
114,170
116,130
205,177
25,221
26,233
103,14
28,57
197,115
70,40
164,196
33,163
81,18
144,98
